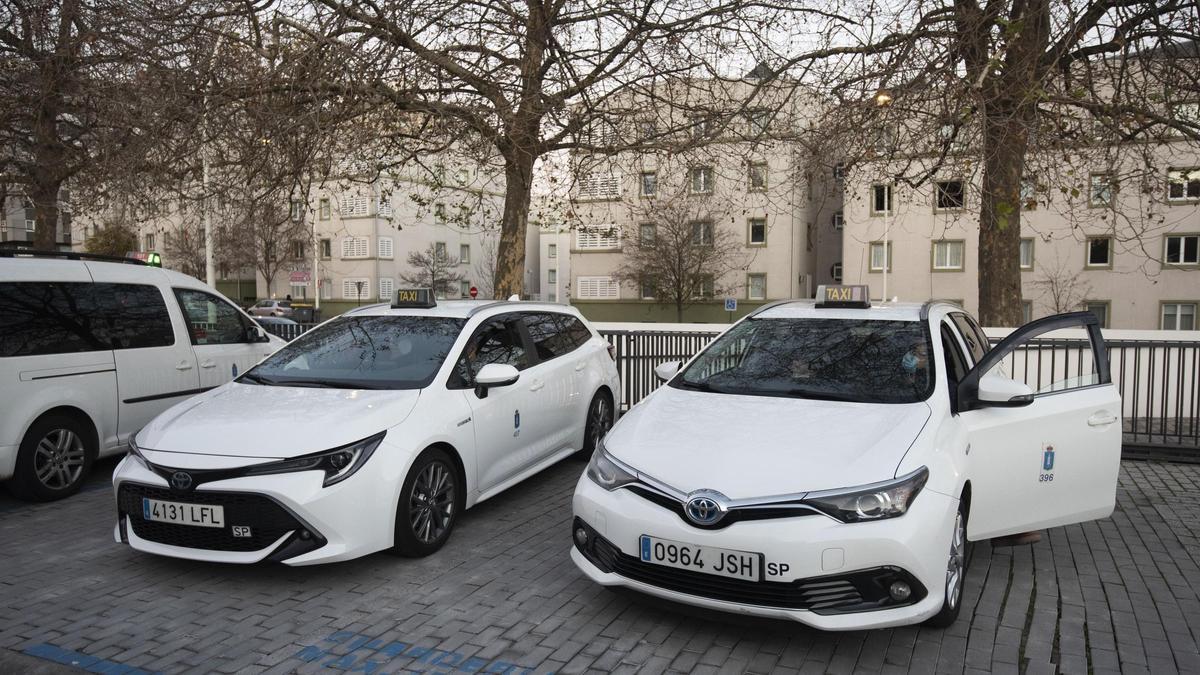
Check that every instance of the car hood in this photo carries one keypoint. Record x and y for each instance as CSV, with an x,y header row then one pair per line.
x,y
759,446
247,420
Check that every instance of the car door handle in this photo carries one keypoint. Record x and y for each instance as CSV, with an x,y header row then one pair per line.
x,y
537,385
183,365
580,366
1101,419
208,364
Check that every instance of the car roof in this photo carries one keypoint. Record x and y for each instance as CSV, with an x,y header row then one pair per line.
x,y
886,311
21,268
464,309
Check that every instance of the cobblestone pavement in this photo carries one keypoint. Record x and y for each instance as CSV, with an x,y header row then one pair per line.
x,y
1119,594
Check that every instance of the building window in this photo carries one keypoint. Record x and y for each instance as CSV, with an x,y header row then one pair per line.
x,y
356,288
464,253
325,210
383,208
269,251
297,249
757,122
647,288
464,288
1183,185
877,256
839,220
1027,254
649,185
1026,311
885,140
835,271
355,206
1179,316
355,247
597,288
1100,309
758,232
296,211
598,237
552,251
881,199
386,287
702,127
326,249
552,277
439,251
756,287
646,130
1099,252
385,248
439,212
646,232
1183,249
1029,193
706,287
758,176
327,289
148,242
949,195
839,173
702,233
1100,192
948,256
701,180
599,185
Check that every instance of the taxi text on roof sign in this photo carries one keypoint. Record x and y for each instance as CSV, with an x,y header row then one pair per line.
x,y
843,296
414,297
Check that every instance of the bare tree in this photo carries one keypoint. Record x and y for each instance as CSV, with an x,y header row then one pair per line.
x,y
678,253
1062,289
433,269
113,239
485,267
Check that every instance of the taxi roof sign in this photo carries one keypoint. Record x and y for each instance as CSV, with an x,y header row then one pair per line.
x,y
836,295
421,298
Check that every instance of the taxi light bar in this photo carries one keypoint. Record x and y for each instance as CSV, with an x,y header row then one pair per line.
x,y
421,298
831,295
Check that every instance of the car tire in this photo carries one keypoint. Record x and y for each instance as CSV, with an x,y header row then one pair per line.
x,y
54,459
597,423
430,500
957,563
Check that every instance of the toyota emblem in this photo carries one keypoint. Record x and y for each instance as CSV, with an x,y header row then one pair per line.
x,y
705,507
181,480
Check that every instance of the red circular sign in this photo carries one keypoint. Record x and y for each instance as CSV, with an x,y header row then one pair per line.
x,y
474,291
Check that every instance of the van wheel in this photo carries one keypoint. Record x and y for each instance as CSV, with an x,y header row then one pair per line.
x,y
53,460
956,572
429,503
599,420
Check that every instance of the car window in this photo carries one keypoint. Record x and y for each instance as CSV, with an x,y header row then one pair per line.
x,y
574,330
63,318
977,342
833,359
955,360
551,336
210,320
363,352
497,341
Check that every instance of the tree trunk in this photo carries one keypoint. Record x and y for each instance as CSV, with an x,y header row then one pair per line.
x,y
510,257
1005,139
679,312
45,205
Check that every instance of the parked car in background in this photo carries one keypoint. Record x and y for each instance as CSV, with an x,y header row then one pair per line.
x,y
373,430
92,348
265,321
272,308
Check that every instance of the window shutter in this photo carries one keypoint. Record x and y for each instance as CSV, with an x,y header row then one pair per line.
x,y
385,247
597,287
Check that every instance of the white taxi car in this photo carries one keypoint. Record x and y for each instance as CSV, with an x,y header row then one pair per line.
x,y
828,462
373,430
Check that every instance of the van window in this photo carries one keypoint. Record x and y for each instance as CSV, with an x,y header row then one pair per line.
x,y
211,321
39,318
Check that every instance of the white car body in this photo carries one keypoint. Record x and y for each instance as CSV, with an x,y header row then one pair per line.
x,y
510,434
108,388
781,453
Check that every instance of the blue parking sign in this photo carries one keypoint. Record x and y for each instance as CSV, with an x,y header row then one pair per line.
x,y
730,304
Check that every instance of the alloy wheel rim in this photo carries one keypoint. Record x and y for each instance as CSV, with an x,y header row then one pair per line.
x,y
956,565
431,504
58,459
599,420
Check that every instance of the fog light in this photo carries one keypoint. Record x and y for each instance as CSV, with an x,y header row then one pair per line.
x,y
581,536
304,534
899,591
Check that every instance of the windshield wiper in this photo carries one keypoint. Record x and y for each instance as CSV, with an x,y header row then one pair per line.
x,y
701,386
823,395
256,379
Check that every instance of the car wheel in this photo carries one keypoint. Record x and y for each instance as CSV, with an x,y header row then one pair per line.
x,y
956,572
54,459
599,421
429,504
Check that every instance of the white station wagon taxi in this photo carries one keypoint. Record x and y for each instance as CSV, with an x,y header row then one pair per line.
x,y
373,430
828,462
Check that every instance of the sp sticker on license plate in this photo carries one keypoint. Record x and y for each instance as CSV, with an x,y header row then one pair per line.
x,y
241,531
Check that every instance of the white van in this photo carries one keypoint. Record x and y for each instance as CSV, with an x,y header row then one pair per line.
x,y
92,348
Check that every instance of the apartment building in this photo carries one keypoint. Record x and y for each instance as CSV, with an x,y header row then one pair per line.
x,y
18,220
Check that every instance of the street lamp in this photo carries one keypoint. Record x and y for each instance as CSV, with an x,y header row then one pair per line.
x,y
883,99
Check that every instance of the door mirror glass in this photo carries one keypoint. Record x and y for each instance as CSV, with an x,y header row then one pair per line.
x,y
999,391
497,375
665,371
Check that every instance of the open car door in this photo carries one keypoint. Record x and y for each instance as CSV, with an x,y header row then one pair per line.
x,y
1041,455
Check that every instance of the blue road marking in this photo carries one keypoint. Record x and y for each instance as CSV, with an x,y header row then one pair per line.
x,y
75,659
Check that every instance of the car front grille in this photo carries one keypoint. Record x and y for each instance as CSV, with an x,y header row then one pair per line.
x,y
267,520
857,591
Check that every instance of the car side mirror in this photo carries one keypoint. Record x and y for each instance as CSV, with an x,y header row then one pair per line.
x,y
495,375
997,391
665,371
256,334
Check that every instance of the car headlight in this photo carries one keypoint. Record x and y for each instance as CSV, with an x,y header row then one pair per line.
x,y
606,471
338,464
888,499
136,453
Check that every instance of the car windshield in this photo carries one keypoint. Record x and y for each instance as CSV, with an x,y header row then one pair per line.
x,y
362,352
866,361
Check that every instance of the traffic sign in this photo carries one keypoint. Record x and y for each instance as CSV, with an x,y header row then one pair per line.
x,y
730,304
474,292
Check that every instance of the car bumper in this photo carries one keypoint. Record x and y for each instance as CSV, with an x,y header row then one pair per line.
x,y
836,575
292,518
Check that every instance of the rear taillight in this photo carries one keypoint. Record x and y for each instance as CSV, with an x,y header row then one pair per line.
x,y
612,352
